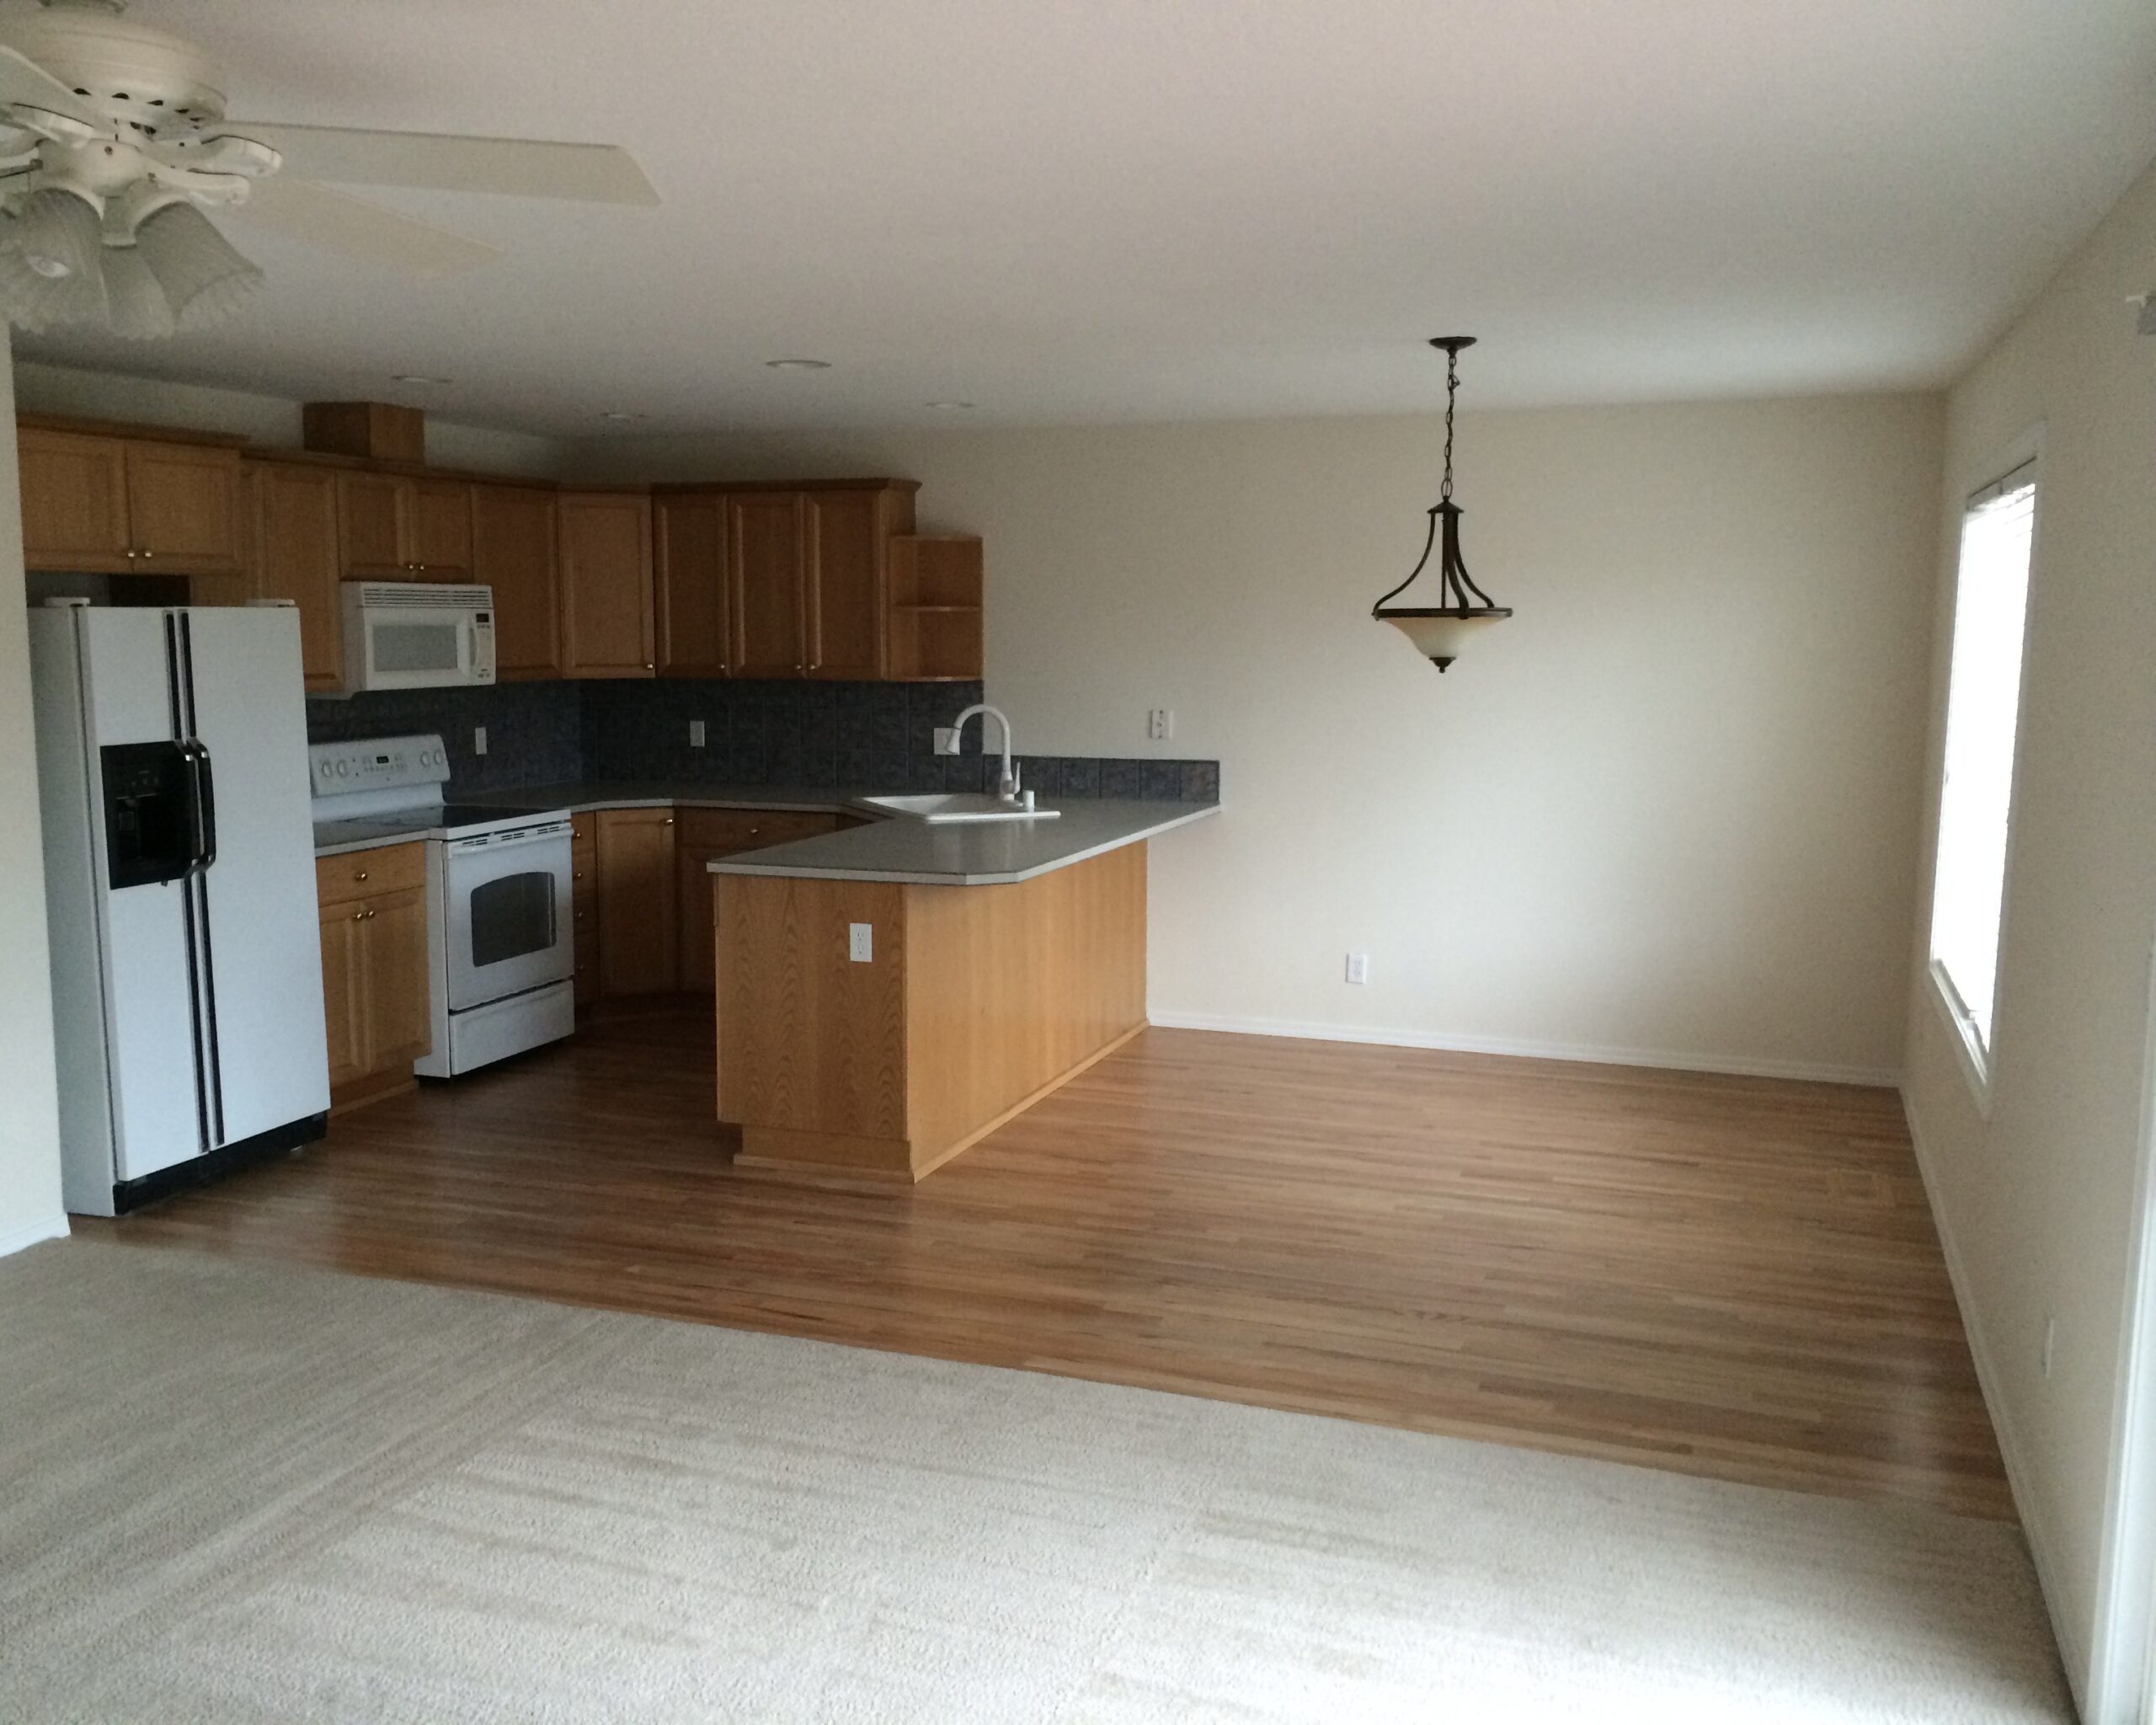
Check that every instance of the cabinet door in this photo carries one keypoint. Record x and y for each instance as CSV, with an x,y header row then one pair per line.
x,y
74,501
296,558
705,835
513,552
183,508
584,899
638,950
846,599
394,940
693,909
344,991
373,524
766,568
690,596
441,530
605,562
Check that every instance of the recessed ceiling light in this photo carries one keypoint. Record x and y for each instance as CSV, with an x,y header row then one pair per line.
x,y
798,365
617,414
952,406
416,377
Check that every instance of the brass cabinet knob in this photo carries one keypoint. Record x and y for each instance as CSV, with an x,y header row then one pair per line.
x,y
669,821
149,554
361,875
359,915
370,915
576,874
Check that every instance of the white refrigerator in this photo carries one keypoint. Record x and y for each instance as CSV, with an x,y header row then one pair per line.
x,y
179,887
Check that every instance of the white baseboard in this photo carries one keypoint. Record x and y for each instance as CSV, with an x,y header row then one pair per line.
x,y
52,1228
2073,1646
1735,1065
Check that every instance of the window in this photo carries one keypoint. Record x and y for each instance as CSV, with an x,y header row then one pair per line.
x,y
1983,702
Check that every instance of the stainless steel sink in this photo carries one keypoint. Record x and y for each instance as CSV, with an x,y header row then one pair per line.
x,y
953,805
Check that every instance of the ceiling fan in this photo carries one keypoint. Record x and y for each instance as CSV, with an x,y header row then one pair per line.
x,y
114,142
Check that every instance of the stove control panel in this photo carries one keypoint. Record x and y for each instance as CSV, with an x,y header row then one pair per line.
x,y
376,764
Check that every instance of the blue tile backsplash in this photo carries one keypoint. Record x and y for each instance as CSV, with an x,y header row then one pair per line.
x,y
808,735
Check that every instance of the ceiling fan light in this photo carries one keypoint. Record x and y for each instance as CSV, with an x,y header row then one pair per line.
x,y
58,234
204,277
136,303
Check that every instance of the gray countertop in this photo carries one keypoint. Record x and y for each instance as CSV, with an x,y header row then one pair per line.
x,y
970,853
984,853
332,838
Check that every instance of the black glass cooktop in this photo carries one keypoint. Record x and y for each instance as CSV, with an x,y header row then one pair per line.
x,y
456,814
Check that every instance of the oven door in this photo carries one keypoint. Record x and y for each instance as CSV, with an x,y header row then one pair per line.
x,y
508,922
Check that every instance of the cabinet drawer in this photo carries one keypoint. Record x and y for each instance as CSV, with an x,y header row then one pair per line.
x,y
723,831
366,874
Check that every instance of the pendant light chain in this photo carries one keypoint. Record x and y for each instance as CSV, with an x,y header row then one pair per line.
x,y
1452,391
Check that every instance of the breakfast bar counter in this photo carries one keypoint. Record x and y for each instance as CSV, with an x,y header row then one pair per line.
x,y
890,995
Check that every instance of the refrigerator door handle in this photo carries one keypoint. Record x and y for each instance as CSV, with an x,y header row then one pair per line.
x,y
203,784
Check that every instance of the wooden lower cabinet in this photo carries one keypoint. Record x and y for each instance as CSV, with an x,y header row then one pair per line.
x,y
638,945
583,901
706,835
373,912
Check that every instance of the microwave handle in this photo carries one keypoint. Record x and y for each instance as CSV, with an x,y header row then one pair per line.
x,y
479,651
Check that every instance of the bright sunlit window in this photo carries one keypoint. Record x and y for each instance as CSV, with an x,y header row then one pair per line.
x,y
1983,702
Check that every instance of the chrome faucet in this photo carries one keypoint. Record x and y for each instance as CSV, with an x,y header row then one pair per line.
x,y
947,742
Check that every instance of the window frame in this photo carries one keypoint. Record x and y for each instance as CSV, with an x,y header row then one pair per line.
x,y
1979,1064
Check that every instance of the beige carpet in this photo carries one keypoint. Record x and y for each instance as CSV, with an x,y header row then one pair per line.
x,y
235,1492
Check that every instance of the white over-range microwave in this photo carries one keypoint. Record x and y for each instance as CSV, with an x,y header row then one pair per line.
x,y
416,635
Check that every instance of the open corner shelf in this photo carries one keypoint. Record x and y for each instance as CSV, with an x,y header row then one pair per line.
x,y
935,608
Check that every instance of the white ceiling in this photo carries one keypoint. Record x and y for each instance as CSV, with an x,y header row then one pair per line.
x,y
1104,210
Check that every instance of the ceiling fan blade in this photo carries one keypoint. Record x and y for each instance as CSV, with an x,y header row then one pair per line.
x,y
523,168
23,83
355,228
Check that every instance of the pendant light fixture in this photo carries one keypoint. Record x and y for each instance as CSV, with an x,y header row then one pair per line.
x,y
1439,632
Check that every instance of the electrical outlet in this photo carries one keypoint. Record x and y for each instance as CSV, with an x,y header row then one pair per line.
x,y
1160,724
2051,1341
1359,968
478,740
861,942
696,733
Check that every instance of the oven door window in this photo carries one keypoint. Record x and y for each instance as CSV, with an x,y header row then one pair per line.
x,y
414,647
512,918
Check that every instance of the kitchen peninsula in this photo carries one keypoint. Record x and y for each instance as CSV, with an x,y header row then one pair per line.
x,y
889,995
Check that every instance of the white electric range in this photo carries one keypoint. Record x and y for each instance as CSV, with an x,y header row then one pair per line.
x,y
501,952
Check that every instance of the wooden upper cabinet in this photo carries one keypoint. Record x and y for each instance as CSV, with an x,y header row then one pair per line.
x,y
74,501
691,602
766,562
606,591
296,558
397,528
116,505
374,521
848,533
513,552
183,508
441,530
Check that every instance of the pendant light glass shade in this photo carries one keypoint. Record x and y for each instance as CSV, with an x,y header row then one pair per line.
x,y
203,276
51,271
136,304
1440,631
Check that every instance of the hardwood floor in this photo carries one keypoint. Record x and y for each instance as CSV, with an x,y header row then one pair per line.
x,y
1723,1276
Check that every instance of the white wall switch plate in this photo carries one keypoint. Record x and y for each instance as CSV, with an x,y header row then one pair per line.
x,y
478,740
696,733
1358,967
861,942
1160,724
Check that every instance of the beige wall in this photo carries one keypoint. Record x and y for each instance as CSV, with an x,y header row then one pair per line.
x,y
2037,1203
1669,812
270,420
30,1117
